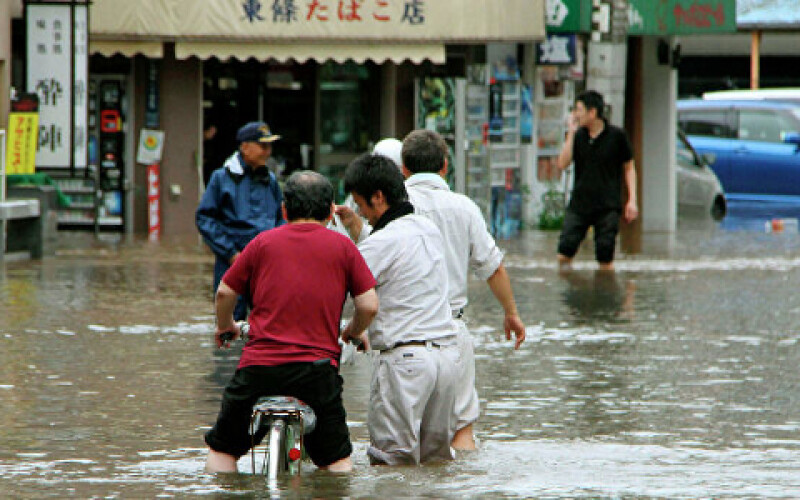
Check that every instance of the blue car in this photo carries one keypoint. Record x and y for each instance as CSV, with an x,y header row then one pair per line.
x,y
756,145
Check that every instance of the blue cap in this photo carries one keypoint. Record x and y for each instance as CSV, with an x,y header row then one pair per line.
x,y
256,132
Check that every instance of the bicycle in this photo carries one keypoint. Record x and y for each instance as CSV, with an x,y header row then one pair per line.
x,y
285,420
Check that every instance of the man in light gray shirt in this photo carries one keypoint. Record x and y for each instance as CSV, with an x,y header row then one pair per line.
x,y
412,395
468,245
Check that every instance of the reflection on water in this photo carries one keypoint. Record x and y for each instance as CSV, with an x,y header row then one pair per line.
x,y
676,376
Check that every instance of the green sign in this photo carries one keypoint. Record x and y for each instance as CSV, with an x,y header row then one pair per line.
x,y
568,16
681,17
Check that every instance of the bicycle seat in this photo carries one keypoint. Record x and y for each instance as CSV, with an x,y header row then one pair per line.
x,y
286,406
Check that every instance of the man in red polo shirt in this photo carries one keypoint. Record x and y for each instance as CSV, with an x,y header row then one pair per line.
x,y
299,276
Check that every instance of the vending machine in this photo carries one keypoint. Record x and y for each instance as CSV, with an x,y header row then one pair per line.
x,y
107,137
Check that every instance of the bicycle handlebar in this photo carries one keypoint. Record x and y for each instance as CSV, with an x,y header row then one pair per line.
x,y
244,327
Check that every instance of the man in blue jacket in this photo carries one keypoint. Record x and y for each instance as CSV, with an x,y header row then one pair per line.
x,y
242,199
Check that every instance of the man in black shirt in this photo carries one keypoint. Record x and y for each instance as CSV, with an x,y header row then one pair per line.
x,y
603,157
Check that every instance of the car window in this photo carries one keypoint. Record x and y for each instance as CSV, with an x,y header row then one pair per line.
x,y
684,152
706,122
764,125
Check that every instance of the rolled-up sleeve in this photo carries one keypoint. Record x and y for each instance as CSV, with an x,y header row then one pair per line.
x,y
484,255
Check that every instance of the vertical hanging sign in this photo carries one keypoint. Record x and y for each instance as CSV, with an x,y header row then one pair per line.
x,y
80,90
153,203
57,71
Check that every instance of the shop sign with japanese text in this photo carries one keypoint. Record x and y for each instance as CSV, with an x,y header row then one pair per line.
x,y
21,142
556,50
253,20
57,71
568,16
681,17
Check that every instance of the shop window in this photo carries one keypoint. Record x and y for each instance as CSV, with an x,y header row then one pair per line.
x,y
345,108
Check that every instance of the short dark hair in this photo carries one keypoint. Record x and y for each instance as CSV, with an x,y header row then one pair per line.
x,y
307,195
592,99
424,151
370,173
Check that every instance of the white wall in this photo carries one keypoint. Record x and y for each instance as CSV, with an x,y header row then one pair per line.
x,y
659,185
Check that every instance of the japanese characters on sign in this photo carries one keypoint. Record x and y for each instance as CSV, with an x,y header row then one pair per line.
x,y
153,201
54,38
21,142
325,11
324,21
557,50
680,17
80,89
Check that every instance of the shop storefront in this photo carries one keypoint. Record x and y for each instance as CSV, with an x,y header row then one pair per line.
x,y
331,76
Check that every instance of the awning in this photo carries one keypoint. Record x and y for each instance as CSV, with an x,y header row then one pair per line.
x,y
301,52
153,50
319,21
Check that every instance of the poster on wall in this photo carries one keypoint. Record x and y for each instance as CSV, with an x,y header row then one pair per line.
x,y
151,144
436,110
56,33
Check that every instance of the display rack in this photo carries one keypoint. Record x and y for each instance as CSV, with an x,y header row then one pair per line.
x,y
504,149
475,134
505,156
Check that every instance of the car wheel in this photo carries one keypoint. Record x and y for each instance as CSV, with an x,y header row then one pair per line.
x,y
719,208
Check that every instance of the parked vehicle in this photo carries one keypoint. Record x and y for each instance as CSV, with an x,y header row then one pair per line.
x,y
756,144
790,94
699,190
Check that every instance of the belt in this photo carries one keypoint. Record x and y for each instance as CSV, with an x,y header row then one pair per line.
x,y
409,343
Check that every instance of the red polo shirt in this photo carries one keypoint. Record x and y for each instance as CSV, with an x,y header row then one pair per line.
x,y
299,276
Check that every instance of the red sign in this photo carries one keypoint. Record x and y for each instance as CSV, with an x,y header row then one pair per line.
x,y
153,202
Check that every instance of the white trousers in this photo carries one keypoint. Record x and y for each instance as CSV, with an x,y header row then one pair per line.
x,y
467,404
411,413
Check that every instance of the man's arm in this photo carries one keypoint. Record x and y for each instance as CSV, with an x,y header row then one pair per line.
x,y
631,208
366,306
565,156
500,284
208,224
350,220
224,305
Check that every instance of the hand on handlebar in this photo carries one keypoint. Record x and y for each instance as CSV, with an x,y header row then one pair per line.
x,y
225,334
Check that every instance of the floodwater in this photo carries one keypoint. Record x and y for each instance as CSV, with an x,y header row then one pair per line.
x,y
675,377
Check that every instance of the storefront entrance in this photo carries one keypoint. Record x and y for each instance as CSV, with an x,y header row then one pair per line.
x,y
326,114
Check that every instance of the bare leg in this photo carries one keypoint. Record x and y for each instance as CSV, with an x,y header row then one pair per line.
x,y
220,462
343,465
564,262
605,266
464,440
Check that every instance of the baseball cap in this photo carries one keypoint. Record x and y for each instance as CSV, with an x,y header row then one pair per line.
x,y
256,132
390,148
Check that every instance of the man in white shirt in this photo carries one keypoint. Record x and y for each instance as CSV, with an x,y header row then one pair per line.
x,y
412,396
390,148
468,244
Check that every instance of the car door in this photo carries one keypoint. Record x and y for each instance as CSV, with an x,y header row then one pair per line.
x,y
762,163
710,130
696,190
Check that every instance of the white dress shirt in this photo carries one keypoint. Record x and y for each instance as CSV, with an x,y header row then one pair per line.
x,y
468,243
408,261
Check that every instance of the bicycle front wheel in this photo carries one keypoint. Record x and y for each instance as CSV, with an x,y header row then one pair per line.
x,y
277,449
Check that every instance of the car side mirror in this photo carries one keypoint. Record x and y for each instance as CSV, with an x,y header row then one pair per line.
x,y
792,138
708,158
